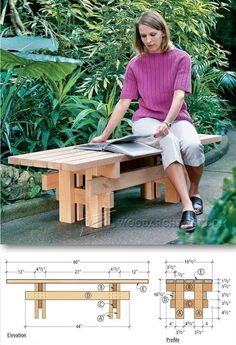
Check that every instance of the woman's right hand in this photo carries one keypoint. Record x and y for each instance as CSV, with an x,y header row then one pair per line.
x,y
100,139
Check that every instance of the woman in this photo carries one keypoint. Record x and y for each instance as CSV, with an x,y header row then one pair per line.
x,y
159,76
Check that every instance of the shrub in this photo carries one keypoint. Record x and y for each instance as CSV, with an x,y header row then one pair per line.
x,y
220,227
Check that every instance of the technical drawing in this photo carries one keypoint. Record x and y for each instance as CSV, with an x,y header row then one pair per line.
x,y
104,287
191,297
178,301
114,294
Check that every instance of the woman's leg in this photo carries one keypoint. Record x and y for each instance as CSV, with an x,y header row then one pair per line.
x,y
172,160
194,174
192,153
175,172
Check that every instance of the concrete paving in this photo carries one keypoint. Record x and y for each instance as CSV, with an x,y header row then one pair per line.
x,y
134,221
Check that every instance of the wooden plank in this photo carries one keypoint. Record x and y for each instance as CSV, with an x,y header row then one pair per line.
x,y
140,176
43,302
111,170
66,197
40,158
77,295
111,309
77,281
36,303
107,216
79,196
93,211
107,200
13,159
105,160
198,301
209,138
118,302
189,303
93,205
171,195
79,200
50,180
179,301
148,190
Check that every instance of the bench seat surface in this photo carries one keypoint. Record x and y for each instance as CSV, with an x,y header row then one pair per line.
x,y
71,159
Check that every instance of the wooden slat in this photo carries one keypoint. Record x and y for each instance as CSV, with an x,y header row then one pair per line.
x,y
77,281
108,158
189,303
66,197
57,158
171,195
50,180
148,190
38,154
179,301
140,176
36,304
209,138
77,295
198,301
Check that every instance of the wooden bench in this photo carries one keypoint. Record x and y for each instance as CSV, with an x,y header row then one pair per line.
x,y
114,295
85,181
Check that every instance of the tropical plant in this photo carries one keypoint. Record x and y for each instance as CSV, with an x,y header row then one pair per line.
x,y
31,107
220,227
48,113
206,104
92,116
36,69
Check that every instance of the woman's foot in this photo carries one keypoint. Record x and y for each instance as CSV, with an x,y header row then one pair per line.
x,y
188,221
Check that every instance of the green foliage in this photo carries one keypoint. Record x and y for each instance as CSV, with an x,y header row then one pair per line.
x,y
92,116
34,116
206,105
19,184
220,227
36,69
46,106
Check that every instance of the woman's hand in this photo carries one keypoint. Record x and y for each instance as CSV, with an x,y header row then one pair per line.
x,y
100,139
162,130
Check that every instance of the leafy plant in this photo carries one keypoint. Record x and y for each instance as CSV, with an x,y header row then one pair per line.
x,y
220,227
206,105
19,184
31,107
36,69
92,116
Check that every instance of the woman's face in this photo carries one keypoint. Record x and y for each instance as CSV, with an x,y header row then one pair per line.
x,y
151,38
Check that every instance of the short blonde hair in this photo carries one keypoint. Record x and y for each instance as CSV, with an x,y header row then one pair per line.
x,y
154,20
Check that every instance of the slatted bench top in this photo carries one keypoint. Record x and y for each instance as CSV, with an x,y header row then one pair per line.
x,y
68,158
71,159
77,281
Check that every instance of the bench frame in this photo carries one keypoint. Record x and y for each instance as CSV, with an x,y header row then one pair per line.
x,y
85,187
114,295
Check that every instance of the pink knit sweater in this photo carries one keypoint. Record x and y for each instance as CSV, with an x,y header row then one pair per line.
x,y
153,78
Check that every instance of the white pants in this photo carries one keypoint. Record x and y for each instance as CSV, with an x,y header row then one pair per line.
x,y
182,144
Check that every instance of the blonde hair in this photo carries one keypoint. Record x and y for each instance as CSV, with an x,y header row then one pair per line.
x,y
154,20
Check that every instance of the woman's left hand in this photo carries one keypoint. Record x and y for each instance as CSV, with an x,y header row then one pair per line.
x,y
162,130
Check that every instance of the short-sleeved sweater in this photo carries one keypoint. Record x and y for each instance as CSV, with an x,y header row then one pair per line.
x,y
153,78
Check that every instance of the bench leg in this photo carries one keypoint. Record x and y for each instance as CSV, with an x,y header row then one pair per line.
x,y
38,303
66,196
79,207
148,191
171,195
93,212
